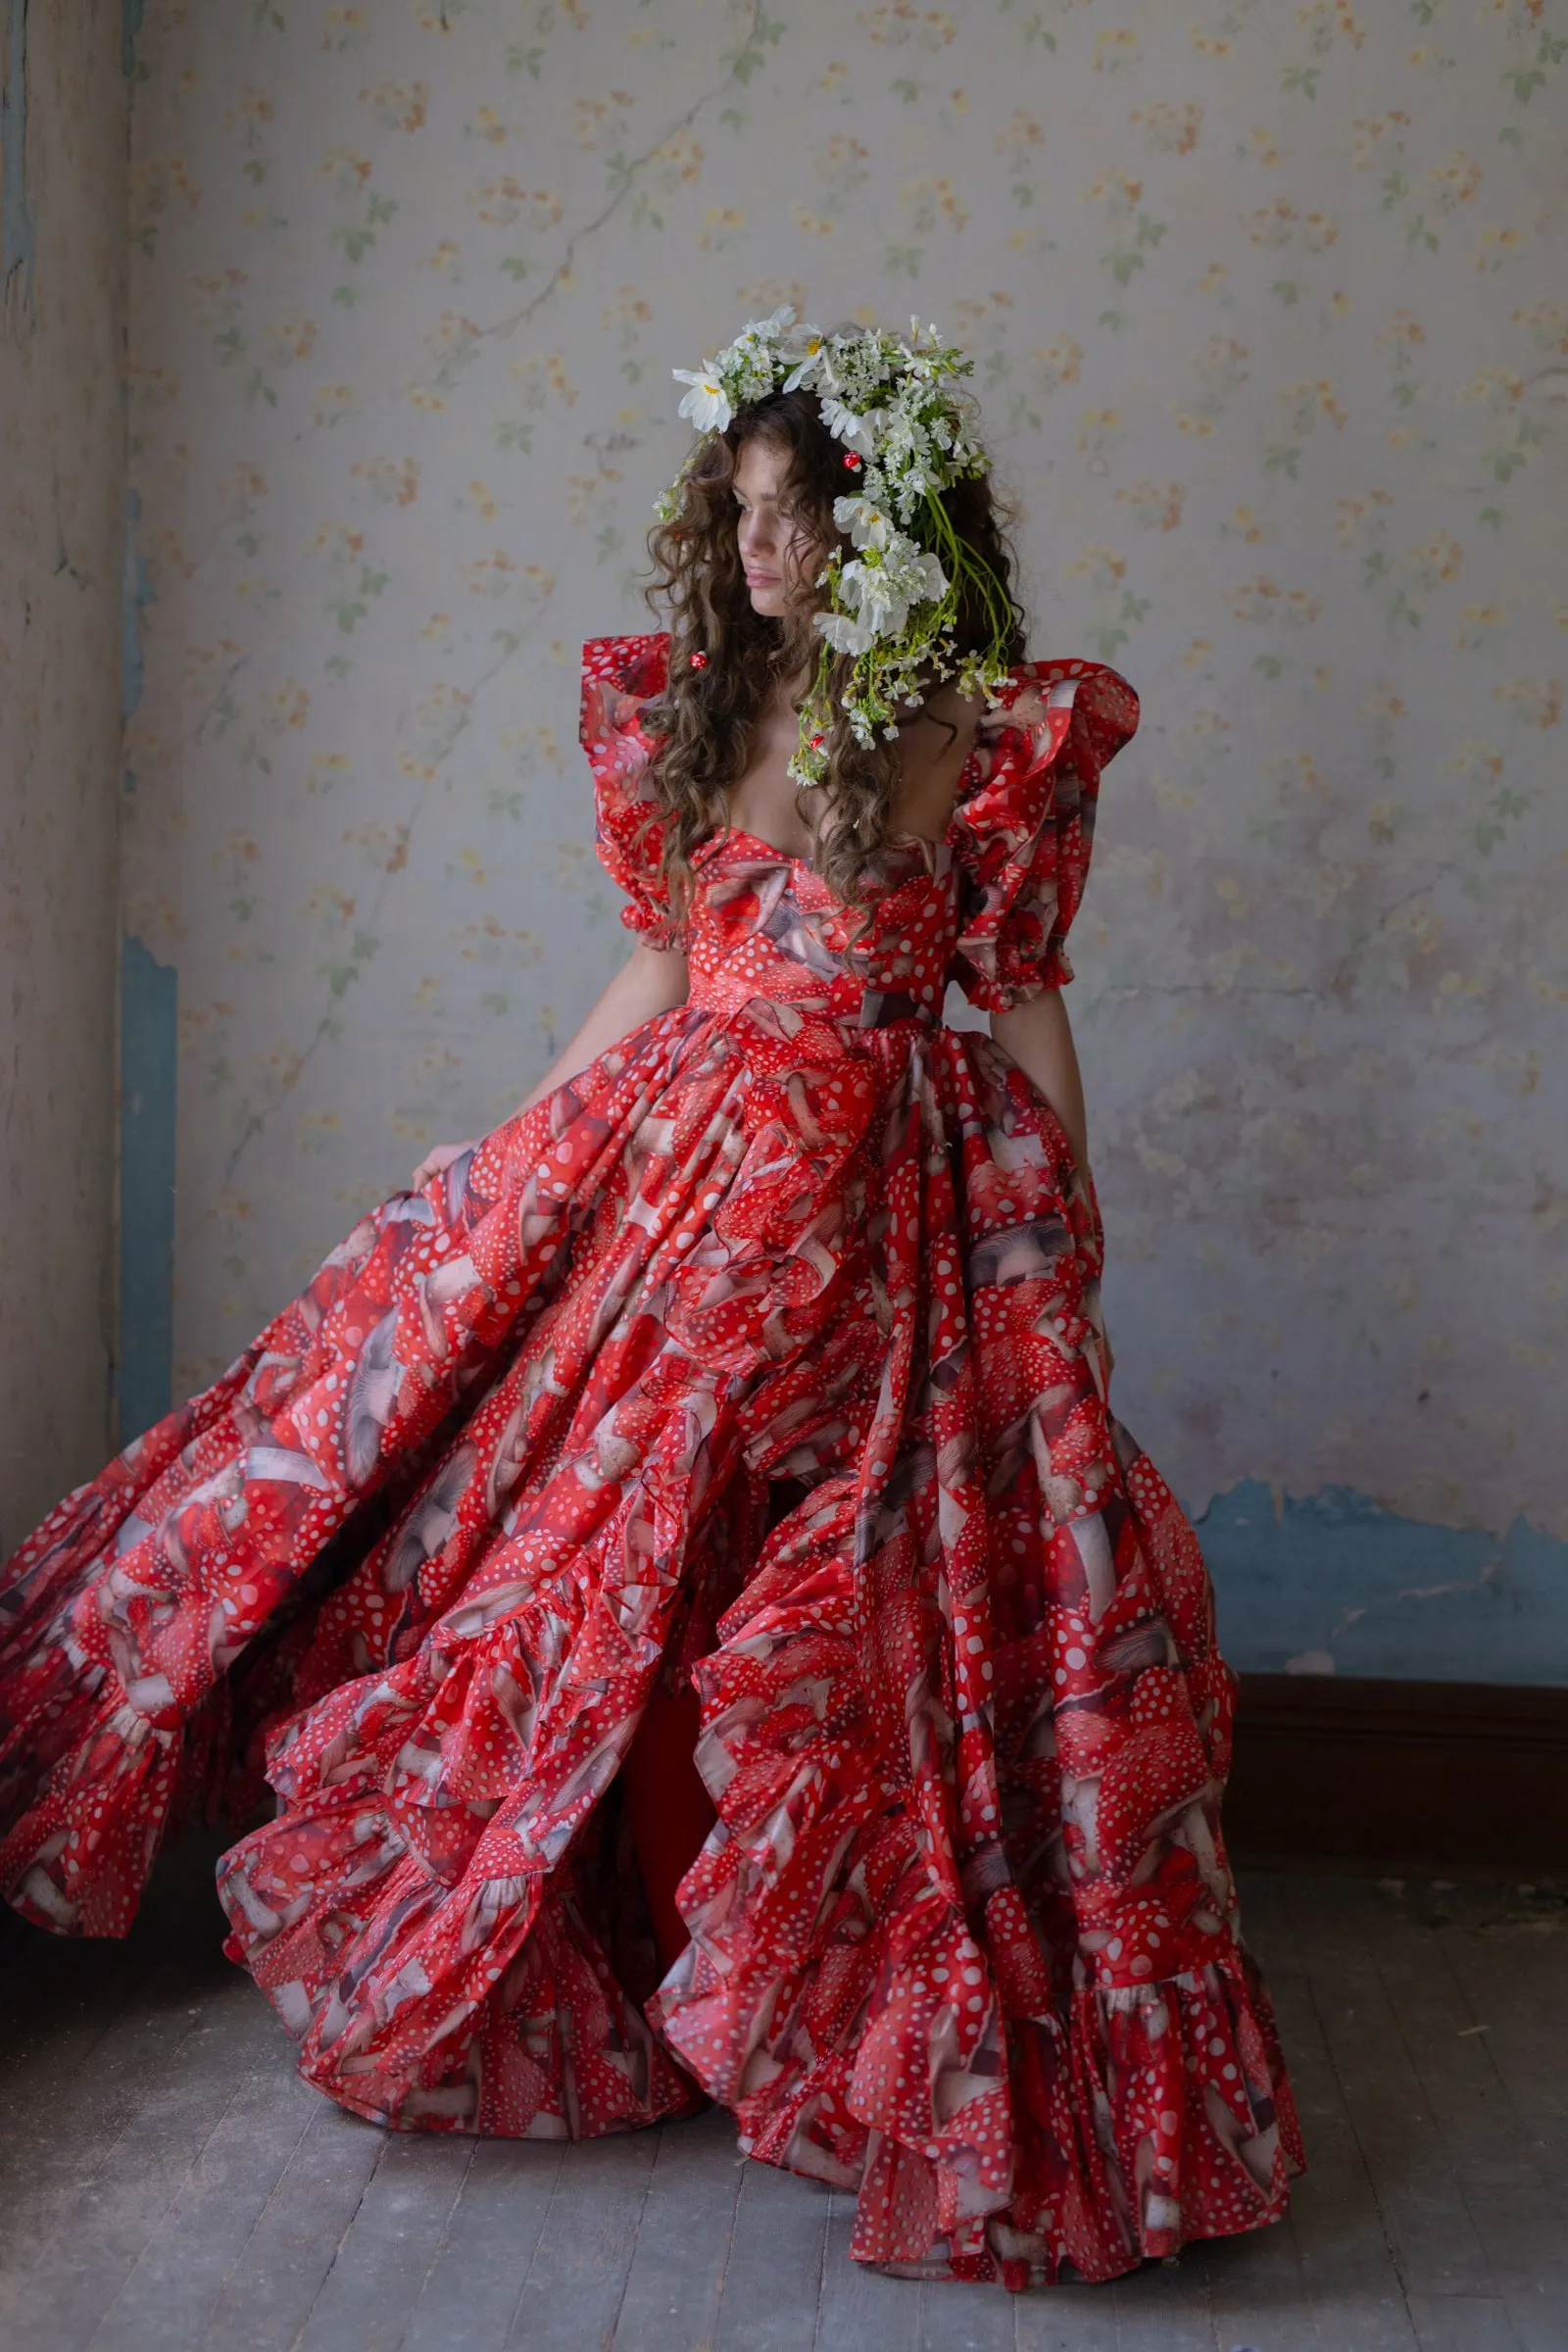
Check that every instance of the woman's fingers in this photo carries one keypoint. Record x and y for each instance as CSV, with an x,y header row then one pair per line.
x,y
435,1163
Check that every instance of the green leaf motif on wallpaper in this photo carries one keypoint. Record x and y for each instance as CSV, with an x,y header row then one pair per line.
x,y
750,55
340,976
350,607
1034,28
1285,290
903,261
524,61
1303,79
355,237
1505,807
1525,81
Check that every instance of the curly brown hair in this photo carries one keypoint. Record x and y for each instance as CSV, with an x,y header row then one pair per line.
x,y
708,717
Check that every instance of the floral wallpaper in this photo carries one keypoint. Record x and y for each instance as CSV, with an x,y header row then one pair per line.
x,y
1270,354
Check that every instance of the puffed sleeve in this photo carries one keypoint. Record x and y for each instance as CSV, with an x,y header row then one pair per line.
x,y
619,674
1021,837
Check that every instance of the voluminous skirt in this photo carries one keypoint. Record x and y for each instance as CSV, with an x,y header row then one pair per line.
x,y
794,1389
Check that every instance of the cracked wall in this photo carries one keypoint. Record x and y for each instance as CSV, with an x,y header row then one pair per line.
x,y
1268,345
63,268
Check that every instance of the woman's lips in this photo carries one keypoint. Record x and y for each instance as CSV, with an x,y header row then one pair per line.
x,y
761,580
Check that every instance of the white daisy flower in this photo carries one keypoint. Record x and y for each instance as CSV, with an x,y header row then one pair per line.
x,y
707,402
844,635
883,586
844,425
867,524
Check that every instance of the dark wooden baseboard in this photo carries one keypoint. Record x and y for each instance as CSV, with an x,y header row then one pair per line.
x,y
1409,1772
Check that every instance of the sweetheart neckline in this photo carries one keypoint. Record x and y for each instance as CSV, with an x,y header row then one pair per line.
x,y
903,841
922,841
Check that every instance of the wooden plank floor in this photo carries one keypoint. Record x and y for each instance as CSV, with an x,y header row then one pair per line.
x,y
168,2185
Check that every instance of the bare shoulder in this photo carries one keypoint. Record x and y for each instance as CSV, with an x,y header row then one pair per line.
x,y
943,727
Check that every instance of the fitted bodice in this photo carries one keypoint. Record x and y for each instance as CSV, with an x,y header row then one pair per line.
x,y
766,924
989,905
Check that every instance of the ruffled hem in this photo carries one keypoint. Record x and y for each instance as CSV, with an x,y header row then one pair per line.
x,y
1100,2179
490,2007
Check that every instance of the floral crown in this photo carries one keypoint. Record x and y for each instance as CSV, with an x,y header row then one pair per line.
x,y
893,603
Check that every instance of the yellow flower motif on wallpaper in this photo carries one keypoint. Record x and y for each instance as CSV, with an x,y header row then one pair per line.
x,y
599,118
722,225
344,28
930,202
1154,506
396,107
489,575
289,339
391,481
503,203
899,22
1119,46
1379,141
1169,129
1437,561
1546,325
1280,225
1533,702
332,403
1455,181
1019,140
1325,19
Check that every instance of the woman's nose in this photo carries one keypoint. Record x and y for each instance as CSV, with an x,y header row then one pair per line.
x,y
757,535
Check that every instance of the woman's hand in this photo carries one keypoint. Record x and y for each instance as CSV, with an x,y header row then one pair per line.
x,y
436,1162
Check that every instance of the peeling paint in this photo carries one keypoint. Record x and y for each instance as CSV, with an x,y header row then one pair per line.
x,y
1333,1584
17,228
148,995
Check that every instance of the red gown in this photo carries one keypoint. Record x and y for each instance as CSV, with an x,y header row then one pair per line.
x,y
763,1355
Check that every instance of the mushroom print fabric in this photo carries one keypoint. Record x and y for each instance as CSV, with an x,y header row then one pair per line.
x,y
764,1356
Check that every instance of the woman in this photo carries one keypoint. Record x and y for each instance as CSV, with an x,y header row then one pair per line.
x,y
705,1633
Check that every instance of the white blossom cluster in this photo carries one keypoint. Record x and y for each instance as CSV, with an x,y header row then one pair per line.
x,y
892,603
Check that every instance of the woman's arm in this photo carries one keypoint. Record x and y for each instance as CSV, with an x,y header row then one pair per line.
x,y
1037,1037
651,981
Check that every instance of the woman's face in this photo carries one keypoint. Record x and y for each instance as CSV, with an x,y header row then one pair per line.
x,y
780,553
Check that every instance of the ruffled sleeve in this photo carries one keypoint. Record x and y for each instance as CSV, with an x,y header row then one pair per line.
x,y
619,674
1021,836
